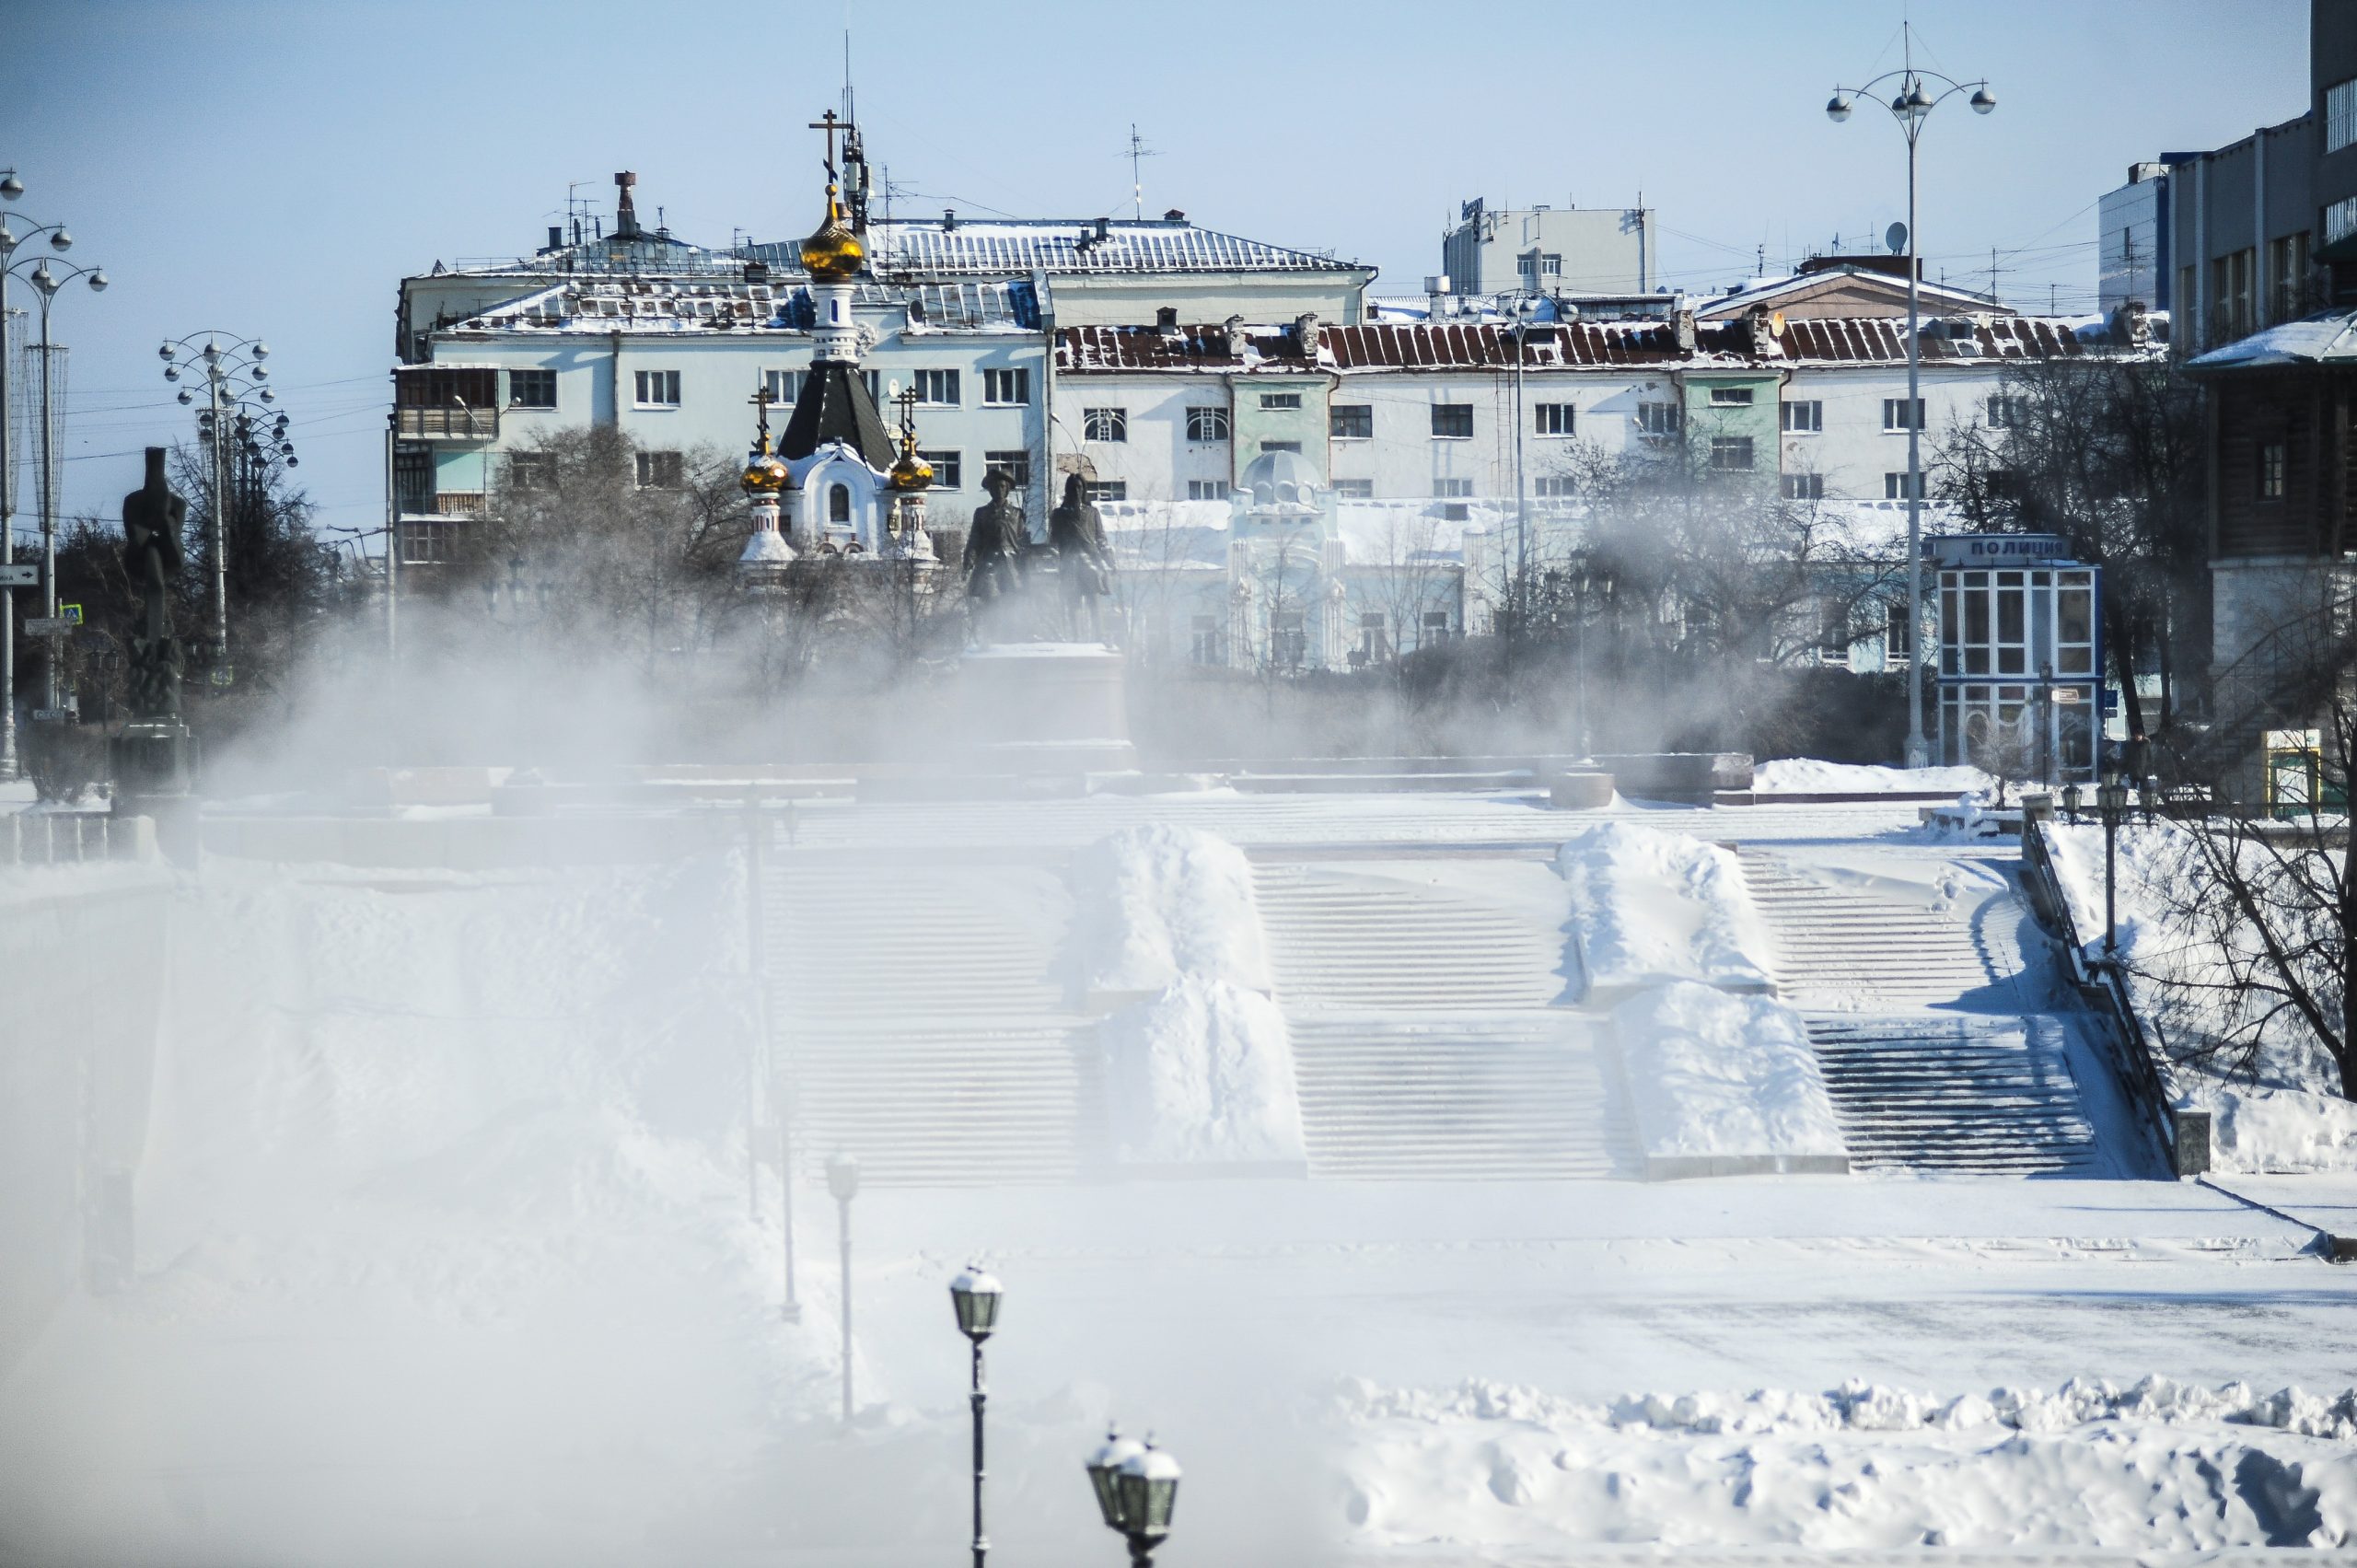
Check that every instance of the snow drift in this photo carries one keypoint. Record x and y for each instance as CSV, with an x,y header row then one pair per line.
x,y
1153,903
1723,1086
1650,907
1202,1073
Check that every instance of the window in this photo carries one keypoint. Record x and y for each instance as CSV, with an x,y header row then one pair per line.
x,y
1554,419
1106,490
1006,388
1452,422
1657,419
1355,489
782,385
1203,640
2287,276
413,479
875,379
1445,487
1730,397
1288,638
1281,446
937,387
531,389
661,471
1206,425
1206,490
1895,414
2339,220
428,541
1374,637
2231,305
1436,626
1550,266
2008,412
1894,487
838,504
1105,423
1806,417
1555,487
2271,470
1351,422
1280,399
1452,510
1527,265
949,469
1015,464
1804,487
658,388
531,470
1731,454
2340,115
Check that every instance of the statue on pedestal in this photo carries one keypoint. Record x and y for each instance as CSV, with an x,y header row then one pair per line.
x,y
1083,567
152,519
994,542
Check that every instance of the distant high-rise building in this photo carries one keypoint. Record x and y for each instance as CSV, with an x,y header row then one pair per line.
x,y
2133,229
1550,250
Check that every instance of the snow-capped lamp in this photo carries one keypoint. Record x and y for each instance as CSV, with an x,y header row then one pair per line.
x,y
1149,1491
975,1294
1105,1473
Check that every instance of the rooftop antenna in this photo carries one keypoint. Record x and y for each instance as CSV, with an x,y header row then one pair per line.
x,y
1138,149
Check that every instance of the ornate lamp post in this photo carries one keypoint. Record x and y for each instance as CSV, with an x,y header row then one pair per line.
x,y
1136,1486
2111,804
45,283
842,1180
233,371
975,1294
1910,106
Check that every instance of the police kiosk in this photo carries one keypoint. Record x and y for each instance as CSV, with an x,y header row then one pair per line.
x,y
2021,655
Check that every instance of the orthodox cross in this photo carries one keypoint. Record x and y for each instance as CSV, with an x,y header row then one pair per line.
x,y
907,398
761,398
830,123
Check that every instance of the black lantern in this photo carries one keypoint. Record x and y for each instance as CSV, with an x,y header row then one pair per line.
x,y
1149,1489
975,1294
1105,1473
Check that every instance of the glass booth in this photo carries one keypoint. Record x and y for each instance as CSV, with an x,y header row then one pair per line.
x,y
2021,655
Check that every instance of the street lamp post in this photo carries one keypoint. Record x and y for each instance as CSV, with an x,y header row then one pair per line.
x,y
2111,803
1136,1486
842,1180
975,1294
233,371
1910,108
46,284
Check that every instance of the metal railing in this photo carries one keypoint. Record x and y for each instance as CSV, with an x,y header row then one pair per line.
x,y
447,423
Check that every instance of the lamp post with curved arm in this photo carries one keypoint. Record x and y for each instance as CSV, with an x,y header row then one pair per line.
x,y
1910,106
233,371
47,279
10,239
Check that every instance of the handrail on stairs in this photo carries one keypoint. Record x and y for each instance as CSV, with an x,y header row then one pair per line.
x,y
2183,1135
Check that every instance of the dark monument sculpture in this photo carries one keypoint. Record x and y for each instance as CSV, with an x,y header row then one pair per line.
x,y
1083,569
996,539
154,755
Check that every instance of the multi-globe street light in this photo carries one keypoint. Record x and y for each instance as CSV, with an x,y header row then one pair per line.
x,y
1137,1487
1910,106
46,282
842,1180
233,372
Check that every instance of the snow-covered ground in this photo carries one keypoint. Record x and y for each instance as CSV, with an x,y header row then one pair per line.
x,y
1806,775
445,1255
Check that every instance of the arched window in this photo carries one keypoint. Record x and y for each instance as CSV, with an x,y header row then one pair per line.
x,y
834,310
838,504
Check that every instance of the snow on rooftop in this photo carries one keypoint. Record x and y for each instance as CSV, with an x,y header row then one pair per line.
x,y
2317,339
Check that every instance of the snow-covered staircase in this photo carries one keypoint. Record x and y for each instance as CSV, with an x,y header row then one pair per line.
x,y
916,1010
1339,940
1953,1093
1840,948
1495,1095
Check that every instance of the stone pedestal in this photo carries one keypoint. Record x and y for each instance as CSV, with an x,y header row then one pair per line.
x,y
1047,708
155,764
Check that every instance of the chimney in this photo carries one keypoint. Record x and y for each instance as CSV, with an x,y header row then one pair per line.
x,y
1304,332
1166,320
1175,215
1233,327
1760,333
949,220
625,214
1436,287
556,237
1104,229
1681,327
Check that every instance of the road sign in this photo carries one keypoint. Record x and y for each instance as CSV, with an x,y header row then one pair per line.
x,y
51,625
27,576
2069,695
225,675
53,716
72,613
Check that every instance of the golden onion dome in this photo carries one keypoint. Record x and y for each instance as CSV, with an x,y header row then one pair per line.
x,y
764,475
911,471
833,254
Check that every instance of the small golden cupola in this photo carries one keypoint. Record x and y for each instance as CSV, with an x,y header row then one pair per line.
x,y
833,253
765,474
910,472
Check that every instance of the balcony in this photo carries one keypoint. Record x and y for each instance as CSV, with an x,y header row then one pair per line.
x,y
447,423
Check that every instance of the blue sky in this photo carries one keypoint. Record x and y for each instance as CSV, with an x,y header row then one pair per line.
x,y
272,169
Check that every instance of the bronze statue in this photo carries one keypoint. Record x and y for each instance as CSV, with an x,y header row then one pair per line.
x,y
1083,569
994,542
152,519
